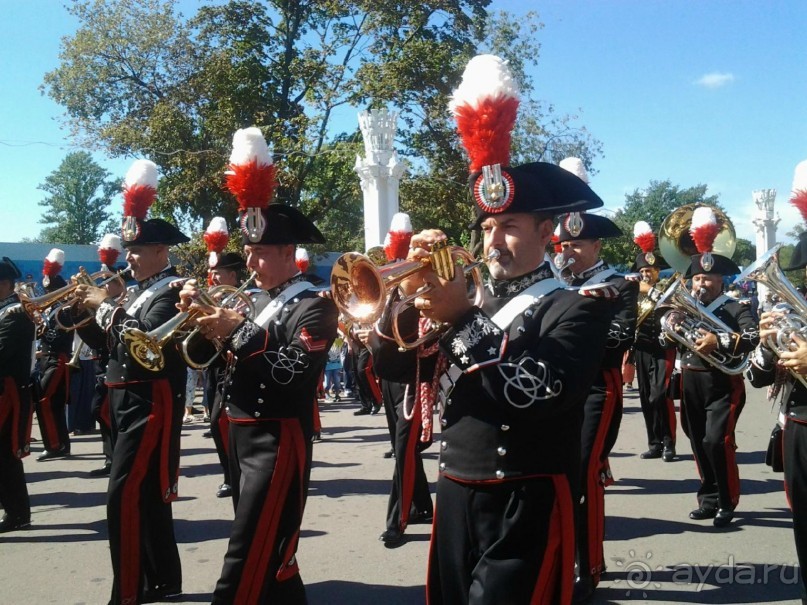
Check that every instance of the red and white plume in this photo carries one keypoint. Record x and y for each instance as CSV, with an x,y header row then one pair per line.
x,y
109,250
485,106
216,238
704,228
576,167
53,264
251,175
139,189
644,237
556,240
301,259
799,195
396,242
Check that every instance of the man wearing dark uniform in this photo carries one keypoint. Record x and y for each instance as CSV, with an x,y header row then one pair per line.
x,y
580,236
277,360
16,413
146,405
654,362
55,348
712,400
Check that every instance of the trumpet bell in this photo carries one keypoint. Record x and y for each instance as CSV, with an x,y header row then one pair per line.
x,y
675,242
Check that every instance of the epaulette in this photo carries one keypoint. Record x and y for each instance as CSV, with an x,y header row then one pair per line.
x,y
603,290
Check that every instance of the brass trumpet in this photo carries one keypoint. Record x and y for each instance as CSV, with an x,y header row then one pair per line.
x,y
147,347
360,289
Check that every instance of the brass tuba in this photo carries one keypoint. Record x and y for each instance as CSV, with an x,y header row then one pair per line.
x,y
792,306
360,289
146,348
676,245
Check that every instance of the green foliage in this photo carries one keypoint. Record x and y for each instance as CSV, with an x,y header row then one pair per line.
x,y
139,79
79,192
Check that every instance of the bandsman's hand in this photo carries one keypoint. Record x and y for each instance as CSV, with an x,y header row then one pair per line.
x,y
420,247
796,360
219,323
707,343
90,297
188,294
447,300
766,326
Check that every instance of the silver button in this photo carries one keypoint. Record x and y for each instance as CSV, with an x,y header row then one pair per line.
x,y
448,401
505,427
123,365
443,444
263,386
528,313
502,451
443,422
260,400
442,466
521,329
500,474
227,408
228,398
257,414
296,300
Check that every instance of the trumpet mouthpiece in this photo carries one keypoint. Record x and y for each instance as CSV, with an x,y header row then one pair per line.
x,y
494,254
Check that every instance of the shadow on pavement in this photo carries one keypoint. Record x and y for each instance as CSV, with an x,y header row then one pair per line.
x,y
355,593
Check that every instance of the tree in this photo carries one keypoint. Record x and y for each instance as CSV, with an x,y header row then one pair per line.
x,y
79,192
137,78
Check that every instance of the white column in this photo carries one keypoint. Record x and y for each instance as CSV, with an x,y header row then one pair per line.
x,y
765,219
380,172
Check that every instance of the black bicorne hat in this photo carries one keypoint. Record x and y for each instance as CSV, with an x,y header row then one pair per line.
x,y
8,270
231,260
54,283
717,264
155,231
534,187
284,225
642,262
799,258
580,225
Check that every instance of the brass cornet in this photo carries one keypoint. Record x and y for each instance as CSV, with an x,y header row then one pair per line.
x,y
360,289
147,347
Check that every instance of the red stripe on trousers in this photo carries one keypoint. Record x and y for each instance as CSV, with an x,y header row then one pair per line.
x,y
373,382
161,395
255,567
10,411
669,361
558,560
596,491
104,413
130,507
224,431
317,419
729,445
408,479
51,436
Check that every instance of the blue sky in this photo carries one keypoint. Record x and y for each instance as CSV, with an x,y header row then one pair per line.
x,y
689,90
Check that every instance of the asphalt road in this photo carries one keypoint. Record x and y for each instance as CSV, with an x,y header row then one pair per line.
x,y
654,553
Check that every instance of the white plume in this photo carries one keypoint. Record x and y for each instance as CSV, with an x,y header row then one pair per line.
x,y
56,256
640,228
703,215
576,167
111,242
800,176
217,225
485,76
248,145
400,223
143,173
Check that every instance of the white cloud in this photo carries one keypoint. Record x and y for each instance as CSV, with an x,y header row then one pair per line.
x,y
715,80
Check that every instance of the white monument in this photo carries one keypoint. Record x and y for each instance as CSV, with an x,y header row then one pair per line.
x,y
765,219
380,172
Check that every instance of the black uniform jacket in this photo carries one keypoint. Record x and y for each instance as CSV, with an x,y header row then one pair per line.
x,y
624,309
762,373
277,368
17,335
741,341
516,404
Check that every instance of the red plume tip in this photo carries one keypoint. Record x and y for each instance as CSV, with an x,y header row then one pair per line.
x,y
252,185
137,199
398,245
704,237
302,265
645,241
108,256
51,269
216,240
799,200
486,130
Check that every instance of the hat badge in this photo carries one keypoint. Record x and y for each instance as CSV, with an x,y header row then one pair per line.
x,y
493,190
253,224
707,261
574,224
130,228
650,258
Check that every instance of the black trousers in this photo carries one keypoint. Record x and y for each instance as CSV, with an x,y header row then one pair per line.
x,y
100,411
139,516
505,543
711,403
602,416
795,462
653,370
51,409
269,464
410,488
219,429
13,490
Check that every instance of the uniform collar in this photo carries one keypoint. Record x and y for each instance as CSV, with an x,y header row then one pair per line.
x,y
504,288
598,267
150,281
274,292
8,300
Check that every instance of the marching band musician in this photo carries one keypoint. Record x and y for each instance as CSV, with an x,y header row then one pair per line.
x,y
580,236
146,405
277,360
519,370
55,348
16,352
712,400
409,500
654,362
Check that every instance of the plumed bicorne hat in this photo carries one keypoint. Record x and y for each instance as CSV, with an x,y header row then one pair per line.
x,y
139,193
799,199
396,242
485,106
252,179
8,270
704,229
216,239
644,237
109,250
232,261
51,268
